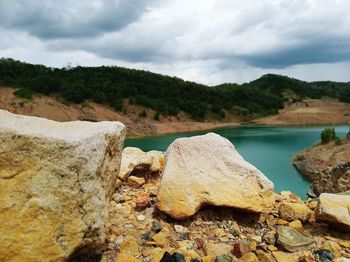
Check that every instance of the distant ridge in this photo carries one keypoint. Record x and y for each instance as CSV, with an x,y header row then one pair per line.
x,y
112,85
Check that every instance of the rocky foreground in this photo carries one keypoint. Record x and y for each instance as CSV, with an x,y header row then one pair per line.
x,y
69,194
289,230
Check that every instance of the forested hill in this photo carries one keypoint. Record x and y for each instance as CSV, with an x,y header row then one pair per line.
x,y
168,95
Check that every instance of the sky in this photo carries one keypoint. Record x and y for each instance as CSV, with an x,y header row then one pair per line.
x,y
206,41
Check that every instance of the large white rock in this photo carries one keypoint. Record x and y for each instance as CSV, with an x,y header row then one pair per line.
x,y
334,209
55,182
207,170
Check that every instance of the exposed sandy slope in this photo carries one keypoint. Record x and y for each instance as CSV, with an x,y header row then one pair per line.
x,y
310,112
50,108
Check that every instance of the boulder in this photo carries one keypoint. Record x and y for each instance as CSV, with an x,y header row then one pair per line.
x,y
293,211
55,183
293,241
134,160
334,209
207,170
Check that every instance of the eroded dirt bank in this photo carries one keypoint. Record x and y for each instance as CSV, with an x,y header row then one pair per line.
x,y
50,108
310,112
307,112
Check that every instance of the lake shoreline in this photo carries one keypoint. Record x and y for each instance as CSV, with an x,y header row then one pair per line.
x,y
203,126
270,148
182,127
307,113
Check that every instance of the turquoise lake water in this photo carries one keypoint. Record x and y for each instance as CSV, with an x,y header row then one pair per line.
x,y
270,149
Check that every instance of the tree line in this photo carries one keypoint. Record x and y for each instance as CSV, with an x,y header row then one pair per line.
x,y
167,95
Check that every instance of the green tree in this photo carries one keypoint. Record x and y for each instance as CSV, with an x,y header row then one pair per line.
x,y
24,93
348,134
143,114
100,97
166,95
222,113
328,135
117,104
156,116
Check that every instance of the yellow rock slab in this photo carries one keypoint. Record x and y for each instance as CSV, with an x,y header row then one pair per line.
x,y
55,182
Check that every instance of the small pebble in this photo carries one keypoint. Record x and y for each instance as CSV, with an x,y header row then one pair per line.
x,y
179,229
156,226
141,218
324,255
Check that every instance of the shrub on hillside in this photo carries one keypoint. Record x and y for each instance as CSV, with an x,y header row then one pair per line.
x,y
143,114
222,114
328,135
24,93
156,116
338,141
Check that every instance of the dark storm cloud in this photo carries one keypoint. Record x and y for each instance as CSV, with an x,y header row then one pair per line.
x,y
220,39
323,51
69,18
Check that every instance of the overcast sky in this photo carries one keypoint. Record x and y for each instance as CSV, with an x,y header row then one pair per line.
x,y
208,41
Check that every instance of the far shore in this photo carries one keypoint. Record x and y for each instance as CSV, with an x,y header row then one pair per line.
x,y
310,112
159,129
186,127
